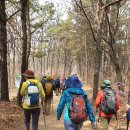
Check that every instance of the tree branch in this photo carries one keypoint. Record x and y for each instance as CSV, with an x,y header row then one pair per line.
x,y
81,7
110,56
12,15
88,20
112,3
39,26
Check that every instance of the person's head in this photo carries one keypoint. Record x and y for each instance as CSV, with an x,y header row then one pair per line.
x,y
28,74
44,77
121,84
49,77
73,82
106,84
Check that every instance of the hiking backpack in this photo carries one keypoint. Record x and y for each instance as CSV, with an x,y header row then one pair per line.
x,y
108,105
48,87
32,94
57,83
77,109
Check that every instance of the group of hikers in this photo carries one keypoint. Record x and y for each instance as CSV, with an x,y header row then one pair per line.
x,y
37,94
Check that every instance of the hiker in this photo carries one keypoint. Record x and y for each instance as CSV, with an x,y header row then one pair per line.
x,y
43,80
107,111
128,115
121,90
57,86
62,84
74,91
33,95
48,87
121,86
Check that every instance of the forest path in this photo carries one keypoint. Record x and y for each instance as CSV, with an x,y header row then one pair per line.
x,y
53,124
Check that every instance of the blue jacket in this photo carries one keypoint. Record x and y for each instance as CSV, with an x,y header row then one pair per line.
x,y
65,102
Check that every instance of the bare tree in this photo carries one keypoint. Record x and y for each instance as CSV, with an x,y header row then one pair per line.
x,y
4,94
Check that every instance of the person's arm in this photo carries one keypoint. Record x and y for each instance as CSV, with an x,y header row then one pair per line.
x,y
89,110
99,99
23,88
61,106
117,103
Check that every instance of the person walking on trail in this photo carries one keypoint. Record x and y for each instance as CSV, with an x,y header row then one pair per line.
x,y
62,84
107,103
74,94
48,87
57,86
44,79
33,95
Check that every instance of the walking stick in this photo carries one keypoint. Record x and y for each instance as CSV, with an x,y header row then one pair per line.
x,y
44,118
97,116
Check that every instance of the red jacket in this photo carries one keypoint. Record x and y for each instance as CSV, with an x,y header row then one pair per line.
x,y
99,100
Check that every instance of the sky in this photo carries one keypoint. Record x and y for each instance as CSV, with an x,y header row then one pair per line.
x,y
62,6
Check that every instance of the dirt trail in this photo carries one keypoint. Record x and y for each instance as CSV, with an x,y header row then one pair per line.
x,y
53,124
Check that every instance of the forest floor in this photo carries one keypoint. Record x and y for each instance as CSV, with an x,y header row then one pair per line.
x,y
11,116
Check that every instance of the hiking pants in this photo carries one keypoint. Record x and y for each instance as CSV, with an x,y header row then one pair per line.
x,y
57,91
35,118
47,106
105,122
72,126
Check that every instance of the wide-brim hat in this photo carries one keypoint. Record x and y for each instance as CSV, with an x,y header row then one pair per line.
x,y
49,77
106,83
73,82
28,73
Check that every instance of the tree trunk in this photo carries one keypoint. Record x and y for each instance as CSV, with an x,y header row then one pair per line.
x,y
4,96
24,65
98,57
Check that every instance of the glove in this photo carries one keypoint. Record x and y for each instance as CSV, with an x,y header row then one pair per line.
x,y
93,125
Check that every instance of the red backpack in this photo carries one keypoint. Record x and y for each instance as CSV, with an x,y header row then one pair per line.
x,y
77,109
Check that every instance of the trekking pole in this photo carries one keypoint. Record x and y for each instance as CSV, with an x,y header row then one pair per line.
x,y
52,104
44,118
97,117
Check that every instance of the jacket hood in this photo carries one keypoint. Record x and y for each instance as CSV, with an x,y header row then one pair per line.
x,y
75,91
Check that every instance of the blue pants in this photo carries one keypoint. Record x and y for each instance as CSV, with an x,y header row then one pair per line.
x,y
72,126
35,118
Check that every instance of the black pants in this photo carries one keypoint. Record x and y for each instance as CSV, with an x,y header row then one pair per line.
x,y
35,118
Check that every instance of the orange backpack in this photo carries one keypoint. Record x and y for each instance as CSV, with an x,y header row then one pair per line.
x,y
48,88
77,110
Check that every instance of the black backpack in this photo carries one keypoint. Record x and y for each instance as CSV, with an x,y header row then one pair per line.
x,y
108,105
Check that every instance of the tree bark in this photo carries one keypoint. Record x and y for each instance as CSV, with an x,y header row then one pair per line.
x,y
24,66
4,93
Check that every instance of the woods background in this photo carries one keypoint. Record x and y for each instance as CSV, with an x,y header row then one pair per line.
x,y
93,41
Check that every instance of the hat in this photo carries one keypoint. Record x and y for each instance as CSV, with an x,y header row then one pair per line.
x,y
28,73
106,83
49,77
73,82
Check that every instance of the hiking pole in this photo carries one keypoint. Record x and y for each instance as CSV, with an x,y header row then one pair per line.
x,y
44,118
97,116
52,104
